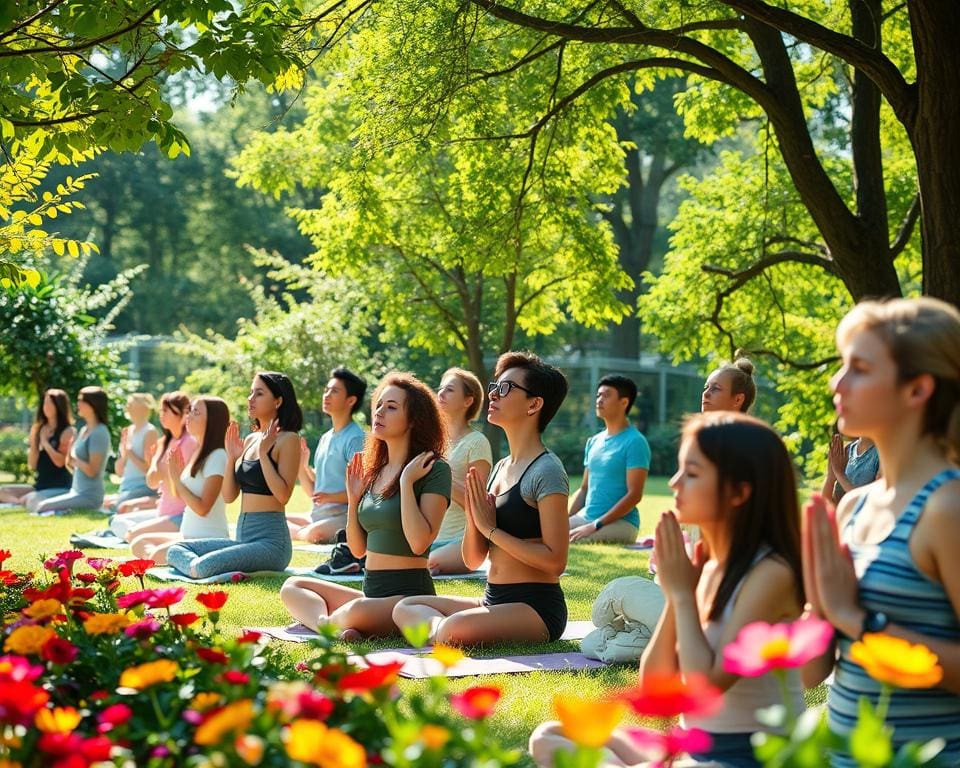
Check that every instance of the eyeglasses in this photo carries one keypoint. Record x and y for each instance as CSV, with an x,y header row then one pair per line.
x,y
502,388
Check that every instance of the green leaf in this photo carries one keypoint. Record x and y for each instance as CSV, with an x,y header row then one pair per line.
x,y
870,741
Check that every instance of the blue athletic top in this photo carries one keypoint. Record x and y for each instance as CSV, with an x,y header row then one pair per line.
x,y
889,581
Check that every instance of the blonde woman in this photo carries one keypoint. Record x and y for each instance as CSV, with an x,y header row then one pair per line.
x,y
460,398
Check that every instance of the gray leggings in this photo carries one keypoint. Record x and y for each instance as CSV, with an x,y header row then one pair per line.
x,y
263,544
71,500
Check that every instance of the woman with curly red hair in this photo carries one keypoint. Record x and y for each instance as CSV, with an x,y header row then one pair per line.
x,y
397,492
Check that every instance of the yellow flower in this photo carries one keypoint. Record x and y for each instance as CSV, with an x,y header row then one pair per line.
x,y
28,639
310,741
235,717
205,700
434,736
57,720
145,675
106,623
447,656
897,662
588,722
43,609
249,748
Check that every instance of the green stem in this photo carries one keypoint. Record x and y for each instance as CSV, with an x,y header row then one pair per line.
x,y
781,675
883,703
161,720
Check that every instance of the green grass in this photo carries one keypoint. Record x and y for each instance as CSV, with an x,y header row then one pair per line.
x,y
526,699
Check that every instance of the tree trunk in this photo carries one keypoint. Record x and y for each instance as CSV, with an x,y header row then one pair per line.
x,y
936,142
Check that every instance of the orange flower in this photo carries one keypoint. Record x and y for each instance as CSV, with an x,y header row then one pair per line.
x,y
477,702
897,662
43,609
434,736
151,673
312,742
205,700
28,639
106,623
249,749
233,718
57,720
588,722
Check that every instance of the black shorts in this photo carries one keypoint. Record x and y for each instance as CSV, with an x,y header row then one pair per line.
x,y
403,582
546,599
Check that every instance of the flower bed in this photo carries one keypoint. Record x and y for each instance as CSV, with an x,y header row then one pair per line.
x,y
94,674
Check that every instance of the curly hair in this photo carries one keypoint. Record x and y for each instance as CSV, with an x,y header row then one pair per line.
x,y
427,430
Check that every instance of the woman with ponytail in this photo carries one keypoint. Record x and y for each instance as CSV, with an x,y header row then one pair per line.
x,y
886,561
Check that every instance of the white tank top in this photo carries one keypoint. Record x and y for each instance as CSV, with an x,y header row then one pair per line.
x,y
742,699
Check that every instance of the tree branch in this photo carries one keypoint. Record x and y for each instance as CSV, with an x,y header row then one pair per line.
x,y
905,232
744,276
868,60
30,19
88,43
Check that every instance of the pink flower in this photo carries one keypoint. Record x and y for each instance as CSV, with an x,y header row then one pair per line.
x,y
761,647
152,598
663,746
99,563
142,629
112,716
64,559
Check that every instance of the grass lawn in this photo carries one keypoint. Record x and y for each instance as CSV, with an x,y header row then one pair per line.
x,y
526,699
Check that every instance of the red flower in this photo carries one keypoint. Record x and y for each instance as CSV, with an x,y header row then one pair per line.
x,y
184,619
96,749
58,651
374,676
671,695
250,637
99,695
112,716
314,705
212,655
212,601
136,567
477,702
238,577
19,701
4,554
235,677
87,578
8,578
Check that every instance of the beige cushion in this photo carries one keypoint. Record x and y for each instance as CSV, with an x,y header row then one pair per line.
x,y
625,614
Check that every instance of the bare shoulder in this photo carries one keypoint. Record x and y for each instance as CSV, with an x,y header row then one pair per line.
x,y
943,506
849,502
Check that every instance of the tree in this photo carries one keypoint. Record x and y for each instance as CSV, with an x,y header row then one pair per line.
x,y
748,58
455,247
655,149
77,75
303,339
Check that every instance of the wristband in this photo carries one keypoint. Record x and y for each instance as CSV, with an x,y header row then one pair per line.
x,y
597,524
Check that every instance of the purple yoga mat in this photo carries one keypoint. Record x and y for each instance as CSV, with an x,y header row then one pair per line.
x,y
424,666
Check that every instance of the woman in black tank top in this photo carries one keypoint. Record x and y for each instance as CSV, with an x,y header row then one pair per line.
x,y
519,522
50,438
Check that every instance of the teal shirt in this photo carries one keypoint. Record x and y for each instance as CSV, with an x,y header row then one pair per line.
x,y
608,458
379,515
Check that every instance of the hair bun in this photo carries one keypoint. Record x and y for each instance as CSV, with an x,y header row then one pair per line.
x,y
743,362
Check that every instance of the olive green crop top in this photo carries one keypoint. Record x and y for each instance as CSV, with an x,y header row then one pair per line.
x,y
379,516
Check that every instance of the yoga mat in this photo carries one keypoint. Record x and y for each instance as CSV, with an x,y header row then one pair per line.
x,y
644,543
297,633
165,573
417,667
340,578
92,539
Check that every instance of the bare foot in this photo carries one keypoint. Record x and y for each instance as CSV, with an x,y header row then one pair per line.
x,y
350,635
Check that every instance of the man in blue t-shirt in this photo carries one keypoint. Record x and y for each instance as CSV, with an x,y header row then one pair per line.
x,y
615,466
326,480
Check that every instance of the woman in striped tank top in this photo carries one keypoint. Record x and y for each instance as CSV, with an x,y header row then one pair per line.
x,y
900,386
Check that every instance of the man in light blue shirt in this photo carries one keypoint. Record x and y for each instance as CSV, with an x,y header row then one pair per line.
x,y
615,466
326,480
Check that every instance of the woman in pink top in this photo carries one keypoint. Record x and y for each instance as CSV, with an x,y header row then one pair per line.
x,y
166,518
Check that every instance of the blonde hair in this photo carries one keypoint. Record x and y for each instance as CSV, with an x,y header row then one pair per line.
x,y
740,375
471,388
145,399
923,337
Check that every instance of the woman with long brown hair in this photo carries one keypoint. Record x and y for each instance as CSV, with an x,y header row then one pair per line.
x,y
397,492
197,484
48,451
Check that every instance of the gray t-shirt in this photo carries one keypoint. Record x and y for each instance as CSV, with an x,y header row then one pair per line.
x,y
330,460
96,440
543,477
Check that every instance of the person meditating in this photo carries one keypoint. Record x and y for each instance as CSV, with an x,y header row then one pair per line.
x,y
521,523
397,492
263,467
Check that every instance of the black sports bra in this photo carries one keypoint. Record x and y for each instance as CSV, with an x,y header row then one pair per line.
x,y
250,477
514,515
